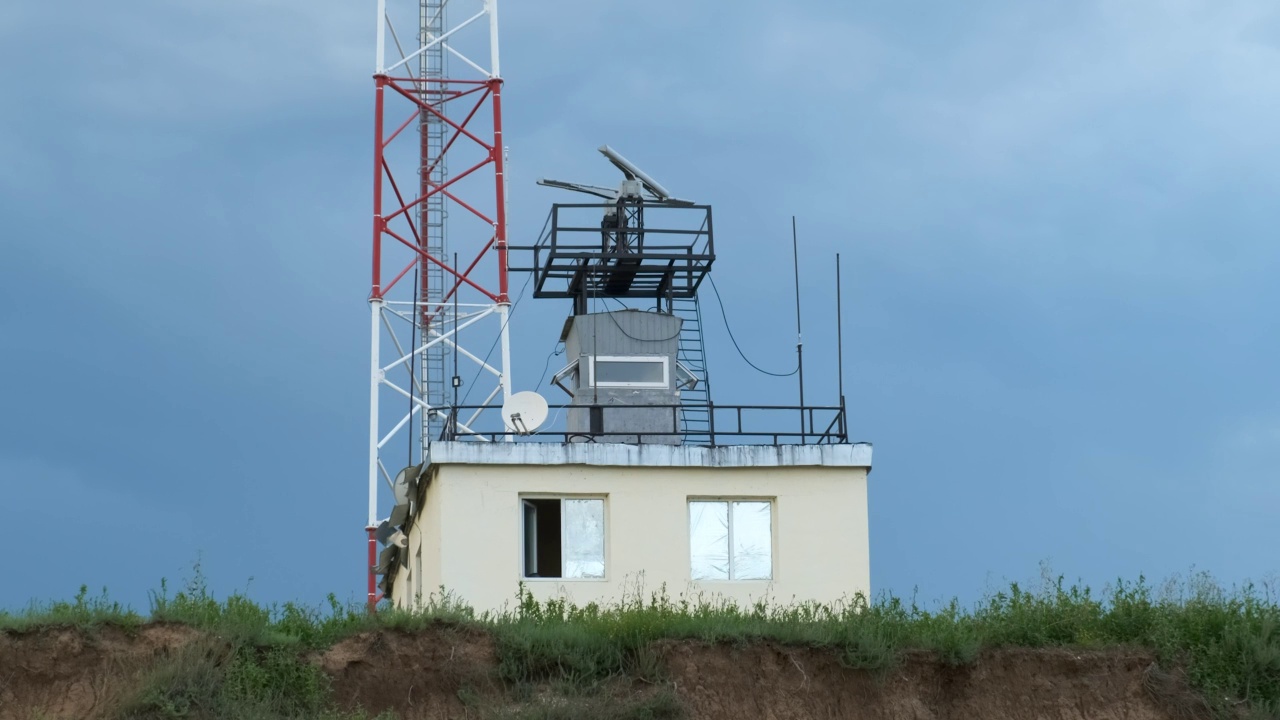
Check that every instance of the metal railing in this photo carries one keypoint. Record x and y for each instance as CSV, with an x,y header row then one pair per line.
x,y
728,425
666,255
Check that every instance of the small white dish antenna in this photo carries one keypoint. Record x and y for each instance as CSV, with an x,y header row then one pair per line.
x,y
524,412
406,483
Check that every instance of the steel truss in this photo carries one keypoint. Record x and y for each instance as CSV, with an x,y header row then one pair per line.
x,y
438,309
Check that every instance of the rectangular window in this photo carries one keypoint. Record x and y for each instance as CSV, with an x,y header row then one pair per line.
x,y
731,539
563,538
617,371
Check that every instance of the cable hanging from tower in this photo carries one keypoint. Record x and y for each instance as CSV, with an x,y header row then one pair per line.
x,y
737,347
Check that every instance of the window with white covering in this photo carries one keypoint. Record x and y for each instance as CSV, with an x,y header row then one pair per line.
x,y
628,371
731,539
563,537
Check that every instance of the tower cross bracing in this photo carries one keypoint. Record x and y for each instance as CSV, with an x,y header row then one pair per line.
x,y
439,303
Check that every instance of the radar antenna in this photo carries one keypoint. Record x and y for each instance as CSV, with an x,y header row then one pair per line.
x,y
637,185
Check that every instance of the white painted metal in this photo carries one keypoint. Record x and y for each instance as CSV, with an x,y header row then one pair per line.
x,y
380,61
375,380
467,354
524,412
437,338
436,41
492,7
389,11
504,313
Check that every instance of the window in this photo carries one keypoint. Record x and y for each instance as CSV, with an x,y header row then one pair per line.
x,y
616,371
563,538
731,539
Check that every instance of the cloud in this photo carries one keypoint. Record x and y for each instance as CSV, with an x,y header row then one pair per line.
x,y
159,62
1005,101
1252,435
79,498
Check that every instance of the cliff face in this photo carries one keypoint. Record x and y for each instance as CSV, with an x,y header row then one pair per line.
x,y
446,672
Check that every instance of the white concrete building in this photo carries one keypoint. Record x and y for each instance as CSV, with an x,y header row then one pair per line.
x,y
639,482
592,522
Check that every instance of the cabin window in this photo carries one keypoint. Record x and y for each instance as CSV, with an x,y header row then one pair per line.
x,y
731,539
563,537
621,371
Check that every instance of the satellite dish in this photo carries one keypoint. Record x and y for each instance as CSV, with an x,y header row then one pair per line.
x,y
385,531
524,412
406,483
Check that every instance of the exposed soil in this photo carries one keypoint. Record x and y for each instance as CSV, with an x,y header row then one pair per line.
x,y
68,673
449,672
779,683
426,674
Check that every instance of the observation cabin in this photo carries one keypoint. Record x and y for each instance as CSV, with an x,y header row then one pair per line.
x,y
630,479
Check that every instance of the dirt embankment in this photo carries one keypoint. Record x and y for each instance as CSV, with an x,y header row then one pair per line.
x,y
451,673
67,673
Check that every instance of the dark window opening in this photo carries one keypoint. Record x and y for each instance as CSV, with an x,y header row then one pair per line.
x,y
542,538
564,538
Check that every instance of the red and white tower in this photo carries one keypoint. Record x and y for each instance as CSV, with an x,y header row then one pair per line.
x,y
439,304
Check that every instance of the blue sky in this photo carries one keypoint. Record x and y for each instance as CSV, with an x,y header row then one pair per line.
x,y
1056,221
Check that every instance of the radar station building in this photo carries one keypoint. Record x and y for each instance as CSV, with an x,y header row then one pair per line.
x,y
631,480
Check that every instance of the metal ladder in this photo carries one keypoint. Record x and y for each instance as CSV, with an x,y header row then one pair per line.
x,y
435,378
695,411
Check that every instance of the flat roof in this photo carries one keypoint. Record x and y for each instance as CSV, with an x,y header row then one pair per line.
x,y
649,455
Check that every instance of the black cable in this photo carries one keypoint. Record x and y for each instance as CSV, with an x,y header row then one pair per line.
x,y
413,343
554,351
510,314
741,354
633,337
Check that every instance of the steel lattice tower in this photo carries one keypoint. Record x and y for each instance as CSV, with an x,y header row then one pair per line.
x,y
427,309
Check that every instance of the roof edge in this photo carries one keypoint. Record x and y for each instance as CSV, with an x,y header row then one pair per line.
x,y
650,455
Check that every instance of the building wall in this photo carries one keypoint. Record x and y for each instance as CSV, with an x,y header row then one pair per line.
x,y
469,528
623,332
628,332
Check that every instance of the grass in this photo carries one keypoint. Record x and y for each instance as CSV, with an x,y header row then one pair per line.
x,y
212,680
84,611
1226,641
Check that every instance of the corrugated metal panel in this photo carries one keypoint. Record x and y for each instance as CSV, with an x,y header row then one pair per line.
x,y
625,332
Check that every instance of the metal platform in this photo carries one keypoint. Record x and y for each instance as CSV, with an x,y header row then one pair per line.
x,y
621,250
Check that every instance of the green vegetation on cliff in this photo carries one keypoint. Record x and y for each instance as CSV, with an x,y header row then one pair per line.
x,y
1227,642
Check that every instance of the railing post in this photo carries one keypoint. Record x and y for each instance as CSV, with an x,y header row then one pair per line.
x,y
844,421
711,420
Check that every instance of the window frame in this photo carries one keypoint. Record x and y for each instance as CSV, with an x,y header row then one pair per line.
x,y
654,359
521,547
772,502
570,373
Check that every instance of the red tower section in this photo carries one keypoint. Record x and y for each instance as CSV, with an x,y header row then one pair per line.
x,y
439,244
435,97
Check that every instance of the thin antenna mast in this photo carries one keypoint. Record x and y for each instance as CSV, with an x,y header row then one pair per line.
x,y
839,334
457,379
795,258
